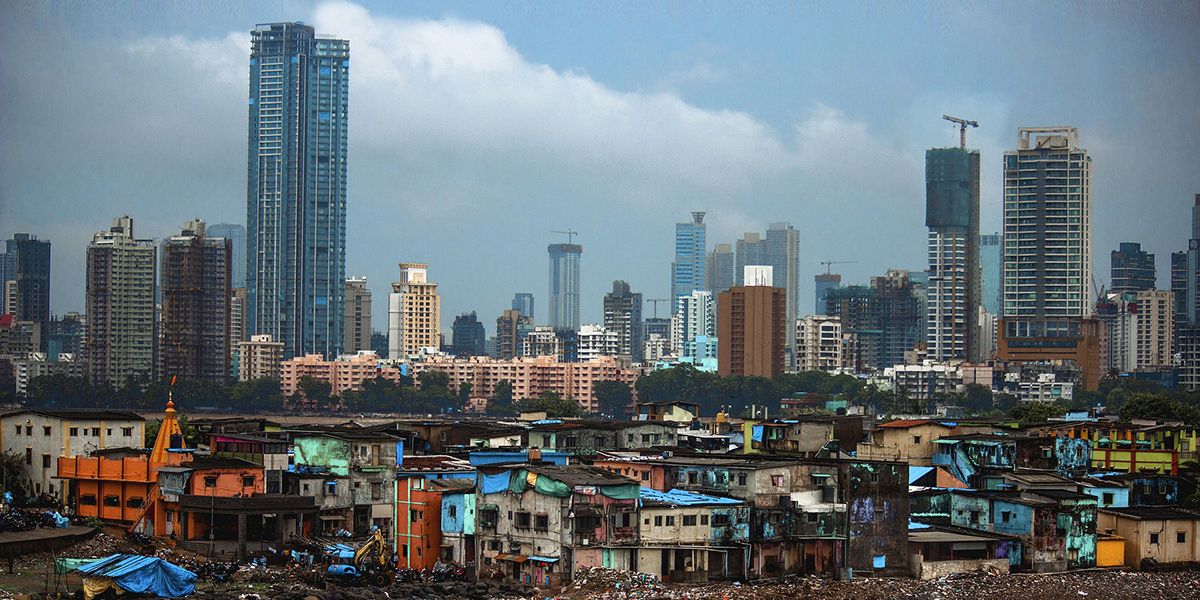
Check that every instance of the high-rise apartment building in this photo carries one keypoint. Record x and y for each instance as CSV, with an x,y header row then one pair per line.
x,y
523,301
952,216
1047,253
1179,284
623,317
564,285
356,316
467,336
688,270
511,326
1139,328
1185,283
237,316
121,338
66,336
236,234
695,316
414,312
818,343
259,358
751,250
195,341
884,319
26,263
296,190
991,262
719,275
596,341
751,331
1132,269
822,283
783,255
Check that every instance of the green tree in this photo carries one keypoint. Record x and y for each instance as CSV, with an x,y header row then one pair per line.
x,y
614,397
318,393
553,404
435,379
256,395
1033,411
464,393
1158,406
191,435
502,399
13,477
978,398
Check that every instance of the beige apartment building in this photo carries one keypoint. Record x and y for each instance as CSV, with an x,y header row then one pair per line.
x,y
347,372
121,332
356,316
818,343
414,313
531,376
259,358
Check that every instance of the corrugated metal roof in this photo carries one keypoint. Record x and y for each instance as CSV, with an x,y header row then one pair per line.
x,y
683,498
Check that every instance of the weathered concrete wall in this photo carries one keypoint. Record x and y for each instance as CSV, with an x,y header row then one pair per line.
x,y
321,451
878,514
942,568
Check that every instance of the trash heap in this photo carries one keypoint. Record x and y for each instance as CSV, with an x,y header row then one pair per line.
x,y
602,583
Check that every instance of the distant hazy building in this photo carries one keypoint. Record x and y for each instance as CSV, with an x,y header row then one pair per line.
x,y
822,283
751,330
596,341
356,317
26,263
884,320
236,234
66,336
467,336
751,250
121,337
952,216
1185,284
688,270
523,301
414,312
818,343
237,316
196,305
1132,269
623,316
695,315
564,285
719,274
658,326
511,326
991,262
783,255
298,111
1139,333
259,358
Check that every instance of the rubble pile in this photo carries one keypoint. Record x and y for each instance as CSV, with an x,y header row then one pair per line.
x,y
611,583
483,590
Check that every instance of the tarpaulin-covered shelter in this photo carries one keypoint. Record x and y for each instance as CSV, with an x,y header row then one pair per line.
x,y
137,574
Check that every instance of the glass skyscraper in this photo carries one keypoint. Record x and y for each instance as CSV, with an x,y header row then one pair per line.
x,y
991,261
688,270
1132,269
564,285
296,189
952,215
236,234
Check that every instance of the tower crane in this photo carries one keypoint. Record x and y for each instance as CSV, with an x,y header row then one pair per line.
x,y
570,233
829,263
963,124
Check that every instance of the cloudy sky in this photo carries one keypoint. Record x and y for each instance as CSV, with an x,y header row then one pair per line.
x,y
478,128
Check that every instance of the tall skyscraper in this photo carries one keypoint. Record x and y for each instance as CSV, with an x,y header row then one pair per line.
x,y
1132,269
196,305
511,326
822,283
414,312
1047,253
687,272
695,316
564,285
623,316
121,341
1179,283
356,318
751,322
719,275
296,190
467,335
1186,285
751,250
523,301
952,215
991,262
28,266
236,234
783,254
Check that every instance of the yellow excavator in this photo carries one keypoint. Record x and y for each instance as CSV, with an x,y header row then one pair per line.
x,y
371,564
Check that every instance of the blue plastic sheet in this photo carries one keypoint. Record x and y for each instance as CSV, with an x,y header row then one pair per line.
x,y
494,484
143,575
757,433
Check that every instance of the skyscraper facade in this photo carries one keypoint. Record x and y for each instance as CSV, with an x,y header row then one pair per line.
x,y
564,285
121,340
511,326
195,342
467,335
523,301
952,216
695,316
688,270
356,316
1132,269
991,261
751,338
28,263
751,250
822,283
718,275
783,255
623,316
414,312
296,190
1186,284
236,234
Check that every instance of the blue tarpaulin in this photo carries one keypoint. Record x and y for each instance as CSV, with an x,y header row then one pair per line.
x,y
682,498
757,433
142,575
494,484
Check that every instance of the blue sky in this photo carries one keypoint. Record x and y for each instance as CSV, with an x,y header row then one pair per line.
x,y
477,128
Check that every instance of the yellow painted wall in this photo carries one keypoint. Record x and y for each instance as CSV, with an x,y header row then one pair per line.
x,y
1110,553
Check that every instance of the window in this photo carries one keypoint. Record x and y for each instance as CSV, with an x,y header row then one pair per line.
x,y
975,516
170,516
1005,516
704,519
689,520
874,477
1180,537
377,490
720,520
29,456
210,481
95,432
488,517
522,520
330,488
629,437
916,439
415,515
108,431
29,430
645,475
741,479
494,545
134,502
88,499
1154,538
112,501
127,431
452,510
45,461
1108,498
73,432
1047,452
693,477
658,521
670,520
247,481
777,480
541,522
812,517
46,430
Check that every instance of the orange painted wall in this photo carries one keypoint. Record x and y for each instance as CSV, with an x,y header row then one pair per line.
x,y
423,535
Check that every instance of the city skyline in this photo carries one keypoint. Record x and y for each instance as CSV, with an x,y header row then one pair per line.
x,y
849,132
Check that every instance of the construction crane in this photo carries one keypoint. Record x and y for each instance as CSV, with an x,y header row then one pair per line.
x,y
655,302
963,124
570,233
829,263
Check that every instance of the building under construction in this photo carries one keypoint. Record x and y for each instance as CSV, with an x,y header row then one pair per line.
x,y
196,305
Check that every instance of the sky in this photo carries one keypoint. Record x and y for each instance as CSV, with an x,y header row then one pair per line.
x,y
478,129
